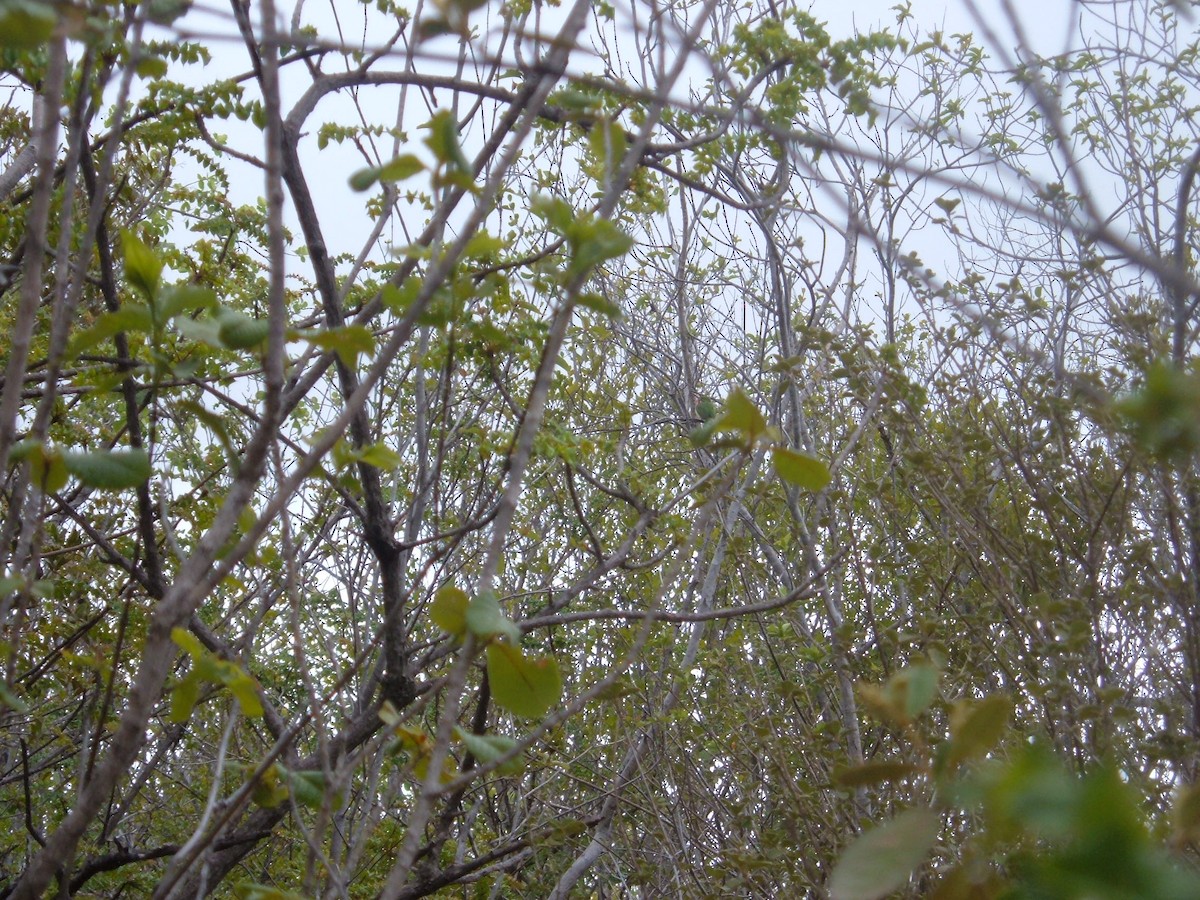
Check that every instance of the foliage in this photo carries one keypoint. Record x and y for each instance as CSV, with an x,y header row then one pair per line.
x,y
538,450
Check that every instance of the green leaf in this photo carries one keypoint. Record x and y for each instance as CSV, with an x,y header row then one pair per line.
x,y
25,24
593,243
347,341
600,304
10,584
490,747
184,696
111,470
214,423
607,143
343,454
432,26
184,298
703,434
151,67
188,642
132,318
555,211
800,469
881,860
485,619
243,687
483,245
364,179
406,165
48,469
449,610
143,268
165,12
742,417
443,140
524,686
1164,413
239,331
615,690
307,787
873,773
381,457
398,299
206,331
905,695
10,700
46,466
976,727
207,667
919,685
458,178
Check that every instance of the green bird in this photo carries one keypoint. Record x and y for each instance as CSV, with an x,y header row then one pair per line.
x,y
706,408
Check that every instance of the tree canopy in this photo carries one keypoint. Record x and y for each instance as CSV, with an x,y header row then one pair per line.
x,y
542,450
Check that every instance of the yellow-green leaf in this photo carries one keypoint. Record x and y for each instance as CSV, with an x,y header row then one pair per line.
x,y
593,243
25,24
918,685
904,696
164,12
483,245
188,642
48,468
271,789
800,469
388,714
403,166
243,687
143,268
151,67
184,696
522,685
881,860
380,456
130,318
449,610
742,417
347,341
599,303
976,727
607,143
183,298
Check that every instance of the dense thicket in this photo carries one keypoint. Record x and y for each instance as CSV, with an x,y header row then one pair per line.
x,y
678,449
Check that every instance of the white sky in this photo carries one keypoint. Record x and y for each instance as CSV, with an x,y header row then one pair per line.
x,y
1046,23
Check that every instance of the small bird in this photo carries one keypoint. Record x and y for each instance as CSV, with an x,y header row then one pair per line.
x,y
706,407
